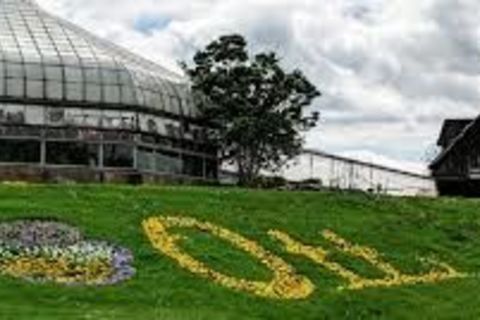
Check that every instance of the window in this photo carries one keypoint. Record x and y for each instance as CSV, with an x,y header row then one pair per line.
x,y
19,151
14,70
152,126
118,156
94,93
54,90
15,87
72,153
53,73
73,75
75,91
34,115
110,76
34,71
92,75
125,78
55,116
111,94
211,167
117,136
2,82
35,89
128,95
193,166
19,131
15,117
168,162
146,159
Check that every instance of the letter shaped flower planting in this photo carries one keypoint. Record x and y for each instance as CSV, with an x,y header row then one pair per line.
x,y
44,251
285,283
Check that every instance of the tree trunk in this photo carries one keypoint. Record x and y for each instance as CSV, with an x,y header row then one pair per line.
x,y
247,167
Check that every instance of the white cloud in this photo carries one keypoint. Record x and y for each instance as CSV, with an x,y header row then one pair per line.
x,y
390,70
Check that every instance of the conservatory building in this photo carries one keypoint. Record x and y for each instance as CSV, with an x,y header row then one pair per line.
x,y
76,107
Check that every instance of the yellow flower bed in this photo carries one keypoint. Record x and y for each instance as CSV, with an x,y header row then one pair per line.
x,y
285,284
56,270
393,277
316,254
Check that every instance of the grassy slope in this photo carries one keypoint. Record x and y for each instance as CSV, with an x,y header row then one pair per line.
x,y
400,228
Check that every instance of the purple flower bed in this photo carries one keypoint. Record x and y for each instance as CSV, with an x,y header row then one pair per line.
x,y
33,233
122,260
49,240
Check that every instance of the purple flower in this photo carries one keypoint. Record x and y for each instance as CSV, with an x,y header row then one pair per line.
x,y
51,240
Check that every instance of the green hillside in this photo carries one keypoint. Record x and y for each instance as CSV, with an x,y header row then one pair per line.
x,y
411,235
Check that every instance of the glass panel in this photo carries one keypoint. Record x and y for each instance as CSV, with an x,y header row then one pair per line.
x,y
118,156
125,78
2,80
34,71
175,105
188,107
193,166
35,89
72,153
70,59
157,102
55,116
111,119
14,70
15,87
112,94
19,151
211,169
110,76
117,136
140,96
50,56
128,95
53,73
146,159
14,114
74,117
73,75
168,162
54,90
34,115
19,131
94,93
92,75
153,124
75,91
92,118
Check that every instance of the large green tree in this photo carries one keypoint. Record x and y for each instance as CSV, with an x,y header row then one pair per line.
x,y
256,109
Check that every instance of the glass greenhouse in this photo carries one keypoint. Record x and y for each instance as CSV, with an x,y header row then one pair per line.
x,y
73,106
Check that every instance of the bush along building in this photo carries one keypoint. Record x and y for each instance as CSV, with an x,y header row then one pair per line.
x,y
457,169
76,107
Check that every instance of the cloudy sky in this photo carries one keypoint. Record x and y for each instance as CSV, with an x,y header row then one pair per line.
x,y
390,70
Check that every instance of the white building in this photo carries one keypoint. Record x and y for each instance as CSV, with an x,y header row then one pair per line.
x,y
348,174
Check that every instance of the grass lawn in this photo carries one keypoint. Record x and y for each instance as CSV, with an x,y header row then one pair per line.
x,y
401,229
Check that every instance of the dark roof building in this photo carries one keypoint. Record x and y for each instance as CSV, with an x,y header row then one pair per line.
x,y
451,129
73,106
457,168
